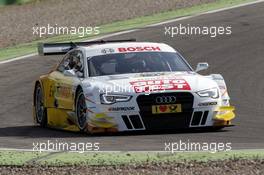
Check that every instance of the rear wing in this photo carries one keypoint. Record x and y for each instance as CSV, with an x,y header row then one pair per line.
x,y
63,48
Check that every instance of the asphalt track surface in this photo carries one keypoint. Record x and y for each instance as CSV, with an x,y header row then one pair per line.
x,y
238,57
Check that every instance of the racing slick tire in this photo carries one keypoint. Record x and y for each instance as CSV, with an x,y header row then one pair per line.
x,y
40,110
81,110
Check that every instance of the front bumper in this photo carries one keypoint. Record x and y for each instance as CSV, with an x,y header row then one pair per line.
x,y
141,117
133,121
224,115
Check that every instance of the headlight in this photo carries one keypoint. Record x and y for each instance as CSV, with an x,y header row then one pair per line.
x,y
112,98
213,93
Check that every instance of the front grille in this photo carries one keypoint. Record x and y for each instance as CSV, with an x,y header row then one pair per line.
x,y
132,122
204,117
199,118
127,122
136,122
166,121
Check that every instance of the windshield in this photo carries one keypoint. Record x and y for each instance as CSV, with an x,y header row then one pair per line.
x,y
139,62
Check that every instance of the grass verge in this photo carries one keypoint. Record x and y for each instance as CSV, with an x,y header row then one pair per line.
x,y
17,2
29,48
19,158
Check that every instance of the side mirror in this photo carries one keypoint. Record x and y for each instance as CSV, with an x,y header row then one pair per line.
x,y
69,73
201,66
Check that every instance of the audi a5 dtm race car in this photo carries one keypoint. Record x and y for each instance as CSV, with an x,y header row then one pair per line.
x,y
124,85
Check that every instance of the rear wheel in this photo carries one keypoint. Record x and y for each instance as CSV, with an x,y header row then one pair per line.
x,y
40,110
81,110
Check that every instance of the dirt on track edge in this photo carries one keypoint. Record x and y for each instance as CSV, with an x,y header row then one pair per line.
x,y
223,167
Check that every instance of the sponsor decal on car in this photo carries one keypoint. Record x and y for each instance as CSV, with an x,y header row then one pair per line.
x,y
139,49
129,108
162,109
207,104
151,74
64,92
108,50
160,85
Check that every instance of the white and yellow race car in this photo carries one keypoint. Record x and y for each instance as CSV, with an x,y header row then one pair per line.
x,y
124,85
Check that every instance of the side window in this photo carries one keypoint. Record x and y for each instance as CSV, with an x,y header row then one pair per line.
x,y
76,61
73,61
64,63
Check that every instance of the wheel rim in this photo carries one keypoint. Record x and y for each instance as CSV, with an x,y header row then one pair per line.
x,y
39,105
81,111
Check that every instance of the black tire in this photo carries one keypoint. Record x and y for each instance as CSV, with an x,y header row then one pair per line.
x,y
40,110
81,110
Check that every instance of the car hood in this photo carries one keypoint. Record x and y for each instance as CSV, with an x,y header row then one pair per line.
x,y
152,82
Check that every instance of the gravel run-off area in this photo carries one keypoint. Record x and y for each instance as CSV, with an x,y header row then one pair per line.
x,y
224,167
17,21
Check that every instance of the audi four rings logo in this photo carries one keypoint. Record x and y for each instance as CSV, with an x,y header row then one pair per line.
x,y
166,99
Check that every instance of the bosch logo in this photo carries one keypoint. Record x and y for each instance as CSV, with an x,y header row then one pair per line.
x,y
166,99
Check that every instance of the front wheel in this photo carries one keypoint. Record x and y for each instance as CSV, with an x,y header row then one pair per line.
x,y
81,110
40,110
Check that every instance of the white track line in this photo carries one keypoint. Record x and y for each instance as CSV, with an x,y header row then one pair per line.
x,y
18,58
152,25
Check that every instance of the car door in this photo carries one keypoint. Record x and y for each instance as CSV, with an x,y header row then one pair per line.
x,y
66,78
